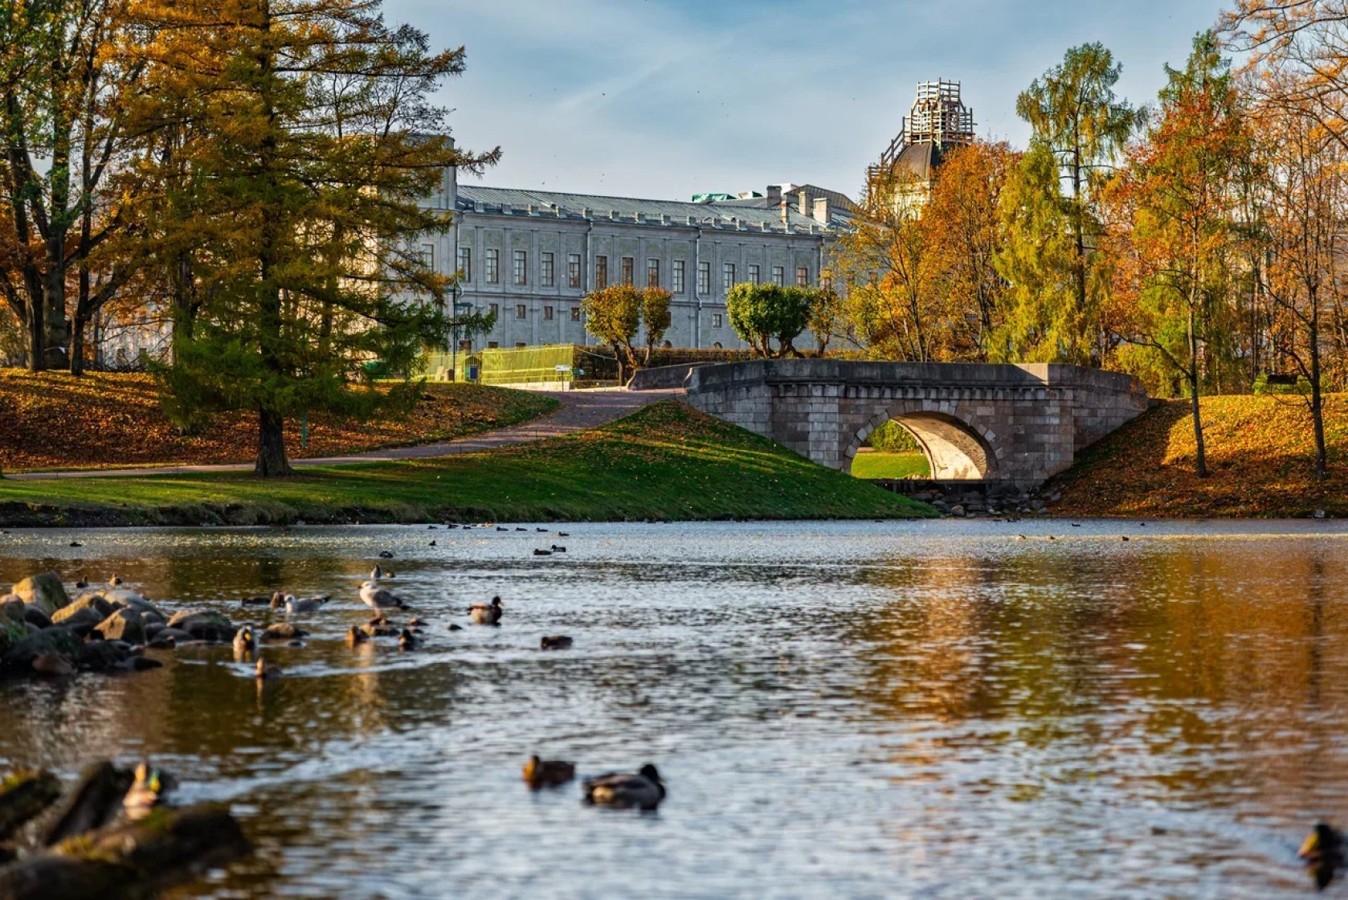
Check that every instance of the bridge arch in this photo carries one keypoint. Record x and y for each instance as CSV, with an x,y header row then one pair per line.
x,y
956,449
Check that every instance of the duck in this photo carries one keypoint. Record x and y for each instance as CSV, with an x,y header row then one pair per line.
x,y
538,552
243,640
355,636
486,614
378,598
407,640
265,672
643,789
305,605
1323,853
283,631
146,792
558,548
386,554
540,772
563,534
555,642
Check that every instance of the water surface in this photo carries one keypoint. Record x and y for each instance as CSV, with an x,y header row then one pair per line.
x,y
936,709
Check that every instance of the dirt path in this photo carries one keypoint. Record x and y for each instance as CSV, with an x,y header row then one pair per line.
x,y
579,410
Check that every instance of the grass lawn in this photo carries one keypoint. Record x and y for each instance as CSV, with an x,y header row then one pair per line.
x,y
111,420
882,464
665,462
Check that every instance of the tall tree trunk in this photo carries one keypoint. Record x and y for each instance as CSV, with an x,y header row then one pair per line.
x,y
271,445
77,345
1317,401
36,361
1200,452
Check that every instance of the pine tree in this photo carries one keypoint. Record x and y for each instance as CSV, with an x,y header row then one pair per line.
x,y
298,139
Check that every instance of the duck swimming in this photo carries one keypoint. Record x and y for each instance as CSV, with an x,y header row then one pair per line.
x,y
378,598
145,793
555,642
407,640
1323,853
355,636
484,614
642,790
540,772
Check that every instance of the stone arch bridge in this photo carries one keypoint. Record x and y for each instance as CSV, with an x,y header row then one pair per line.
x,y
1015,424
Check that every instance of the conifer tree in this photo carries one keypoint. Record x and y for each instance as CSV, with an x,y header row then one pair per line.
x,y
299,137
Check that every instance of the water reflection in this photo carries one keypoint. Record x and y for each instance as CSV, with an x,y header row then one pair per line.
x,y
954,708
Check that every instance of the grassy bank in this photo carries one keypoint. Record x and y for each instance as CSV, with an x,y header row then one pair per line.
x,y
103,420
884,464
1259,451
666,462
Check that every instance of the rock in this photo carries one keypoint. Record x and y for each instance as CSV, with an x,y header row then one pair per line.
x,y
1037,505
203,626
82,621
957,510
57,640
126,599
12,607
283,631
35,616
53,664
44,591
177,635
11,633
162,641
103,656
95,602
123,625
23,795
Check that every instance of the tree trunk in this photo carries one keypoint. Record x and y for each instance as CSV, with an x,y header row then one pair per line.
x,y
271,445
77,346
35,335
1317,401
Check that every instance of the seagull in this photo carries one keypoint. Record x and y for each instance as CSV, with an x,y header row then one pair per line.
x,y
306,605
377,598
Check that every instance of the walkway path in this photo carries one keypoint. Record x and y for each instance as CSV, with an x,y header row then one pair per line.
x,y
579,410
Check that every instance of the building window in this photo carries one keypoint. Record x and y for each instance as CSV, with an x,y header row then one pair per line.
x,y
704,278
493,266
520,345
600,272
547,277
628,266
520,263
778,275
493,345
495,309
465,346
802,276
652,273
573,270
715,320
521,311
466,263
676,283
547,313
575,314
428,255
727,276
754,276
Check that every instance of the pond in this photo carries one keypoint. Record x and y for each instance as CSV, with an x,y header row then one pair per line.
x,y
945,709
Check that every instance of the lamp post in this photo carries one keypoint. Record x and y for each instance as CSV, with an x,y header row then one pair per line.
x,y
455,292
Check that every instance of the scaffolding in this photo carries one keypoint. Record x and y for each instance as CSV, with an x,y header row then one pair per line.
x,y
938,116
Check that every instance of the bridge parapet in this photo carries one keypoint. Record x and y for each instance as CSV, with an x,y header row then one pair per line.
x,y
1021,423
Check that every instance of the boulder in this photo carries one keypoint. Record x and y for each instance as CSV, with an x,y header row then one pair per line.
x,y
101,656
96,602
123,625
57,640
125,599
82,621
44,591
11,633
203,626
12,607
175,635
35,616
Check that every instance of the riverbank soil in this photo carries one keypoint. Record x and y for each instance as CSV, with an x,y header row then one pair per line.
x,y
111,420
1259,450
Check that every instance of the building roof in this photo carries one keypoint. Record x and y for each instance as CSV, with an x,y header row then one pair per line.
x,y
731,214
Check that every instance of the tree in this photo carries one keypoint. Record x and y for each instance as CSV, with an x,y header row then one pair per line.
x,y
655,316
63,93
961,218
300,205
615,314
1077,118
1042,321
1179,198
764,313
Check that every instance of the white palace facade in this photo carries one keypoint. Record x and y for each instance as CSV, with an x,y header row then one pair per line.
x,y
530,256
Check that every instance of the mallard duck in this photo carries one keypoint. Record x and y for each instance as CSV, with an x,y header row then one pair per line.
x,y
243,640
114,580
558,548
538,552
407,640
486,614
378,598
146,792
305,605
283,631
1323,853
643,790
540,772
555,642
265,672
386,554
355,636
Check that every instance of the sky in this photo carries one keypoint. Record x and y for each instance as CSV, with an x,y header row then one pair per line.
x,y
667,98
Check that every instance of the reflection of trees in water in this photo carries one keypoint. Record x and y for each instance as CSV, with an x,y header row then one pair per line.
x,y
1190,651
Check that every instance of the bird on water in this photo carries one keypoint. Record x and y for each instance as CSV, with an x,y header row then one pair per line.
x,y
641,790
